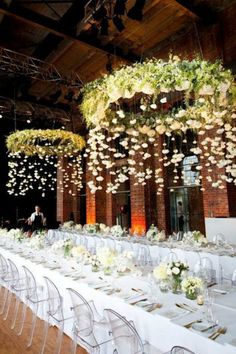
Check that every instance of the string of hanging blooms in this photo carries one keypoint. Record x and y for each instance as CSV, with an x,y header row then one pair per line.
x,y
149,108
36,155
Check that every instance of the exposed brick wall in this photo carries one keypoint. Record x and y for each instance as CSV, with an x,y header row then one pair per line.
x,y
90,201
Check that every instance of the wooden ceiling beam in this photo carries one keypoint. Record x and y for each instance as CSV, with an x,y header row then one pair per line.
x,y
49,25
198,12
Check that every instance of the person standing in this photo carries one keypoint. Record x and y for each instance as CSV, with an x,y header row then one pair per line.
x,y
37,219
180,215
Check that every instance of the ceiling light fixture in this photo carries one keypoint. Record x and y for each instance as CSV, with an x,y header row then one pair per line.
x,y
136,12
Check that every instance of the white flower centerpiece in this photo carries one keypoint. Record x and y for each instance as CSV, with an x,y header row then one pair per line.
x,y
63,247
90,228
117,231
107,258
191,286
177,270
153,234
194,238
67,225
37,240
16,234
78,227
95,263
80,253
104,229
124,262
160,273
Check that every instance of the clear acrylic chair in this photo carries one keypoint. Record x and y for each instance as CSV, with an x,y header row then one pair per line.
x,y
88,326
54,315
180,350
4,281
16,285
170,257
234,278
125,336
33,298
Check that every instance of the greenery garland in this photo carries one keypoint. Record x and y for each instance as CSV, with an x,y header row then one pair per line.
x,y
45,142
198,78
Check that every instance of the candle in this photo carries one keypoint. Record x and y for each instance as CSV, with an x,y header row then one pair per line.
x,y
200,300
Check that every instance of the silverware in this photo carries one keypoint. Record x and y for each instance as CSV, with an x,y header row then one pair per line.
x,y
209,327
182,307
136,302
190,307
189,325
154,307
137,290
220,330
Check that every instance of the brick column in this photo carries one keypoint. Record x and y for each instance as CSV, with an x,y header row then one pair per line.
x,y
90,201
138,212
101,201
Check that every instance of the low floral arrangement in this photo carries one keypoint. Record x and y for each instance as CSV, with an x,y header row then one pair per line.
x,y
104,229
177,269
91,228
117,231
153,234
124,262
78,227
106,256
37,241
95,263
63,246
3,232
194,237
16,234
68,225
160,272
78,251
191,286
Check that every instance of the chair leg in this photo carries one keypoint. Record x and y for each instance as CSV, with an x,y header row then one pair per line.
x,y
59,338
22,320
74,344
16,310
8,303
45,334
6,293
33,324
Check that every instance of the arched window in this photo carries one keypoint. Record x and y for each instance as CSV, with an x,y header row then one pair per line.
x,y
190,173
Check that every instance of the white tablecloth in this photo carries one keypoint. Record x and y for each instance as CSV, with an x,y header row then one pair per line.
x,y
157,252
154,327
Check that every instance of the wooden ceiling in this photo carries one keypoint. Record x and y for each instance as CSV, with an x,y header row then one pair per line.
x,y
54,31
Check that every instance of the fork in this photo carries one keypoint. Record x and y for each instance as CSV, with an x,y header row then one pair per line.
x,y
221,330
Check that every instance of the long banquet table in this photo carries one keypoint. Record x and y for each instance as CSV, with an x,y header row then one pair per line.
x,y
155,327
220,260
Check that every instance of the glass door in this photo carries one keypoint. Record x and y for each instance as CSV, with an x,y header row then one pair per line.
x,y
186,209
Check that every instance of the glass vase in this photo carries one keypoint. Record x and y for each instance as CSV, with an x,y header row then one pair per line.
x,y
95,268
191,295
164,286
176,285
107,270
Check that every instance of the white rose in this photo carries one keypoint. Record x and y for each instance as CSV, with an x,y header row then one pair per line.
x,y
175,271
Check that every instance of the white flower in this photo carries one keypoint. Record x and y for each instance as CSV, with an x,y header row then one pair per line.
x,y
163,100
143,107
160,272
175,271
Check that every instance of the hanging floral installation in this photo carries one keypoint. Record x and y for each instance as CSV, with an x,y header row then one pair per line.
x,y
36,155
150,106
